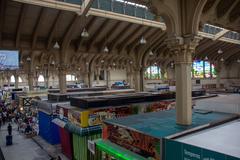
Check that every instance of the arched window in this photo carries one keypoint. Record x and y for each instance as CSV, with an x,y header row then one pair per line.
x,y
40,78
12,79
203,69
70,77
20,79
153,72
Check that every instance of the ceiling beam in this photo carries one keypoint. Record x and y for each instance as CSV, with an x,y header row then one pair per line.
x,y
20,24
226,49
96,34
2,18
54,28
121,33
128,38
112,31
132,45
68,35
88,28
220,34
131,38
38,25
86,4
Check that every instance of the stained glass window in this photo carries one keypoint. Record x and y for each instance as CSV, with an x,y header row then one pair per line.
x,y
207,69
203,69
214,73
198,69
152,72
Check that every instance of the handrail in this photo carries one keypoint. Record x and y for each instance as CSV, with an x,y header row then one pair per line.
x,y
1,155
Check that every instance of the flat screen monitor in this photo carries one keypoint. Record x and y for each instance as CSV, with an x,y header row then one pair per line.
x,y
9,60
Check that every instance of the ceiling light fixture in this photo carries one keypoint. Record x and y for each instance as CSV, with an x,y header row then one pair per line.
x,y
220,51
102,61
143,40
85,33
222,59
56,45
206,58
28,59
238,60
151,53
105,50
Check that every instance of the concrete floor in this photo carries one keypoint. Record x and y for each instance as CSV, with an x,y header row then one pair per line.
x,y
22,149
228,103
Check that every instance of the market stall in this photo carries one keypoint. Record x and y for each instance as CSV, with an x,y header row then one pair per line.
x,y
143,134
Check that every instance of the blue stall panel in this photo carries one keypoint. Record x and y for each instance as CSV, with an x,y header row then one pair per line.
x,y
47,129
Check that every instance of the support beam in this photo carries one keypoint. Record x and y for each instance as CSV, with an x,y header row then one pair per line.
x,y
96,34
220,34
70,31
132,46
38,25
53,29
86,4
20,24
120,34
112,31
131,38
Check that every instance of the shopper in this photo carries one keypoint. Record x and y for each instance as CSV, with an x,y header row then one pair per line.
x,y
9,129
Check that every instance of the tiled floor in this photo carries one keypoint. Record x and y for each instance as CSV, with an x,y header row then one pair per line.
x,y
22,149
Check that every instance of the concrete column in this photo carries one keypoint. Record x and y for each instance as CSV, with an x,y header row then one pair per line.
x,y
30,81
218,78
108,84
183,49
137,80
90,79
46,78
85,78
16,81
97,75
8,80
62,79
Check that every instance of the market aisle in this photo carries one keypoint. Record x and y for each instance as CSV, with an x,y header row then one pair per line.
x,y
22,149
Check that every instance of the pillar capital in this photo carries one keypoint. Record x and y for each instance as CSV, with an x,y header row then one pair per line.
x,y
183,47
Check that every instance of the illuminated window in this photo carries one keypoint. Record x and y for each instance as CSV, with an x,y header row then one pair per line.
x,y
70,77
198,69
207,69
20,79
12,79
152,72
214,73
40,78
203,69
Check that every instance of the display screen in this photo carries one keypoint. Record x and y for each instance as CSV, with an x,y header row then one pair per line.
x,y
9,60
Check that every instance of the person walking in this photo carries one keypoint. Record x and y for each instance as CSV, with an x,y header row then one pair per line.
x,y
9,129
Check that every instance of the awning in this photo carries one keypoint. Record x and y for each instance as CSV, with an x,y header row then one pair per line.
x,y
116,151
59,122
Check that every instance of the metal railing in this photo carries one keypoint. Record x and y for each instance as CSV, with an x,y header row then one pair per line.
x,y
119,7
